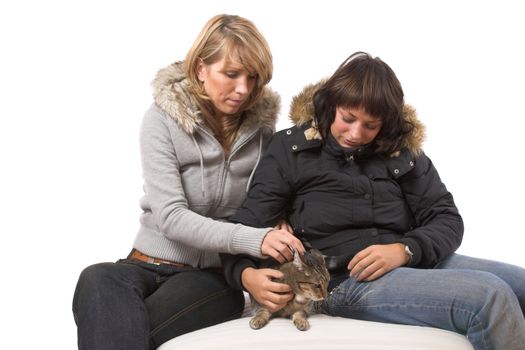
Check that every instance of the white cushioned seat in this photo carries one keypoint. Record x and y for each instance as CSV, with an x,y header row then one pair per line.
x,y
325,332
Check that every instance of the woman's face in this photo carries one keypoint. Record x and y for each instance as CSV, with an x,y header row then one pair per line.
x,y
227,84
354,127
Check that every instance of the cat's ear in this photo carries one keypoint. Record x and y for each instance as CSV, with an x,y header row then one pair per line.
x,y
297,262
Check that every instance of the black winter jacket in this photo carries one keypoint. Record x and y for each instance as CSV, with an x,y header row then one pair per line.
x,y
342,201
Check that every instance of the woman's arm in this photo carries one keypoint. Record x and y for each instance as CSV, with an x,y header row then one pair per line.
x,y
264,206
438,228
437,231
270,191
168,203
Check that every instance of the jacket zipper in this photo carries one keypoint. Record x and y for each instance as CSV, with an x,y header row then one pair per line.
x,y
225,167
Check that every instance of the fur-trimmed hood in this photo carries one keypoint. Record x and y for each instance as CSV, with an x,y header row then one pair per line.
x,y
302,111
170,93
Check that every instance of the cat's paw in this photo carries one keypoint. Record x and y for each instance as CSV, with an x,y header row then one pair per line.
x,y
258,322
302,324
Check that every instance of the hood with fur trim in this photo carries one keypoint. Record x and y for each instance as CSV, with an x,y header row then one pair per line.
x,y
170,93
302,111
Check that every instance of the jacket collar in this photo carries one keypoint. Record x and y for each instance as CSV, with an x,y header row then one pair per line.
x,y
338,151
171,94
302,114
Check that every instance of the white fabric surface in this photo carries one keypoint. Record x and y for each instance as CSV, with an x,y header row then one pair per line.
x,y
326,332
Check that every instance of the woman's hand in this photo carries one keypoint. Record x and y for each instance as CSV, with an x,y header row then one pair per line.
x,y
374,261
280,245
272,295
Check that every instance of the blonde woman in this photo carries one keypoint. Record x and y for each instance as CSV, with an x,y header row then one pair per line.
x,y
200,143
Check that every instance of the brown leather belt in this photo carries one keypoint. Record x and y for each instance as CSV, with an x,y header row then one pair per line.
x,y
137,255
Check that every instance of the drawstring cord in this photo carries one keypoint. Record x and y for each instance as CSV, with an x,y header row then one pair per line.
x,y
201,158
256,163
202,163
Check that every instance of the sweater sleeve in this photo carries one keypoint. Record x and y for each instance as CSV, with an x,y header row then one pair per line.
x,y
169,206
438,228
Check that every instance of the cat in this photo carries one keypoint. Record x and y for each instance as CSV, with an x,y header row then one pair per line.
x,y
308,277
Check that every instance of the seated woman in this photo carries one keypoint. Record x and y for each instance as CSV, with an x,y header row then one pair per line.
x,y
201,139
352,180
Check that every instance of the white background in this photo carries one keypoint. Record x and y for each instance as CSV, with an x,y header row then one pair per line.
x,y
75,81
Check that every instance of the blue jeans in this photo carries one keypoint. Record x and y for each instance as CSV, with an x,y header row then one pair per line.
x,y
482,299
135,305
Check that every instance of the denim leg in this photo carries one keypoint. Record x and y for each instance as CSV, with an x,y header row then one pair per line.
x,y
109,308
475,303
189,301
512,274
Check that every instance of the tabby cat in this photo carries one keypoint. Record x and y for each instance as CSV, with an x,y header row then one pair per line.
x,y
308,278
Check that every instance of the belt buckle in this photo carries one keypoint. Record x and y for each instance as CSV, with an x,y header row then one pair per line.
x,y
152,261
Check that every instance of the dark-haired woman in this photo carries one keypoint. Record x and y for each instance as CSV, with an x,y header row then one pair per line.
x,y
352,180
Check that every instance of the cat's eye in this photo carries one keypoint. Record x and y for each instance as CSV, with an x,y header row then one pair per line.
x,y
315,285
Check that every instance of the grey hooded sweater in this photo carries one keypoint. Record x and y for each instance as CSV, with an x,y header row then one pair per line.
x,y
190,187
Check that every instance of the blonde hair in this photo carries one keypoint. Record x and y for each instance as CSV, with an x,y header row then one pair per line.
x,y
234,38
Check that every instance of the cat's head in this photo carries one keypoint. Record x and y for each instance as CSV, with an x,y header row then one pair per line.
x,y
313,276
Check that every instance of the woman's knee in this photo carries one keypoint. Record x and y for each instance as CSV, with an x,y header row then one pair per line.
x,y
96,276
492,294
92,283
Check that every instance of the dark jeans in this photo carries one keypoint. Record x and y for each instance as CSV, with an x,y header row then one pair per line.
x,y
134,305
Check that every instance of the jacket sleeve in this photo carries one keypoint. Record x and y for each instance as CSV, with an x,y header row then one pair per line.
x,y
438,228
264,205
166,198
270,191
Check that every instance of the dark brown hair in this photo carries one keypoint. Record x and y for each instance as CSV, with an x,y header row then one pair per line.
x,y
364,81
